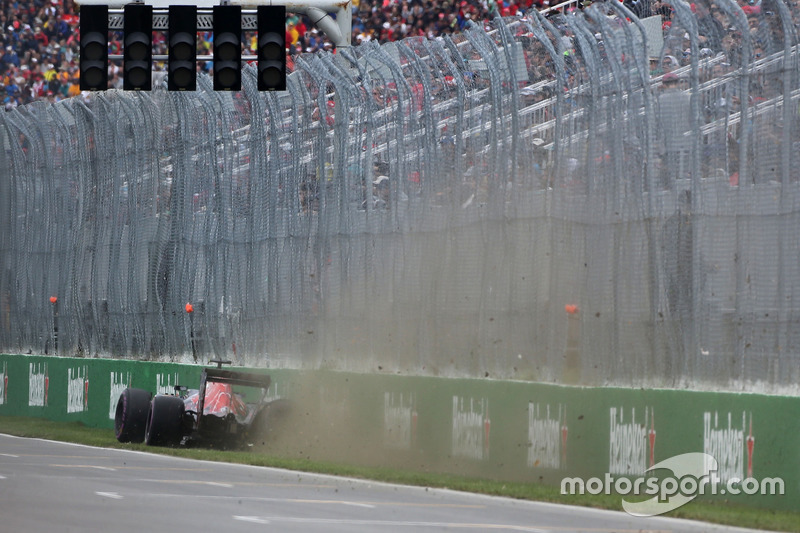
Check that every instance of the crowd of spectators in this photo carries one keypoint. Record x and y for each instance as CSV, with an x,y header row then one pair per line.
x,y
389,20
39,38
38,51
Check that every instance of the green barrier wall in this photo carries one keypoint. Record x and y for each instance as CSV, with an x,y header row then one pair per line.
x,y
495,429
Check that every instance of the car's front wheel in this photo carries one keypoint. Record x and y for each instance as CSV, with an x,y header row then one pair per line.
x,y
165,421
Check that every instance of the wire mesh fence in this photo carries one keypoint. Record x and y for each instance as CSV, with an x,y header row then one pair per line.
x,y
596,197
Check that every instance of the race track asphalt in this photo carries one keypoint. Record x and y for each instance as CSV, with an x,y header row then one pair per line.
x,y
48,486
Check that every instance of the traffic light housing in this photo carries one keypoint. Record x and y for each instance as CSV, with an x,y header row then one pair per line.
x,y
227,48
137,47
271,48
94,48
182,63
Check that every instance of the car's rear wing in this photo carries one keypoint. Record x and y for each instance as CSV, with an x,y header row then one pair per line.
x,y
230,377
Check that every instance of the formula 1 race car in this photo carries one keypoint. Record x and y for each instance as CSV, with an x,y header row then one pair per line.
x,y
218,414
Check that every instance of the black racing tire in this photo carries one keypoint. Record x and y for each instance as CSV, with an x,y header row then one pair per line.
x,y
165,421
130,419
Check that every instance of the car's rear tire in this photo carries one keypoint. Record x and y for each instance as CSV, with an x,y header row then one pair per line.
x,y
130,418
165,421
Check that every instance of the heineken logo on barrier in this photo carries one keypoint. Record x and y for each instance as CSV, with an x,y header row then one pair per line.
x,y
38,384
632,441
471,427
547,435
119,382
399,420
729,444
4,383
165,382
78,389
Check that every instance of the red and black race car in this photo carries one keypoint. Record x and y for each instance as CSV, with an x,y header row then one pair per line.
x,y
228,410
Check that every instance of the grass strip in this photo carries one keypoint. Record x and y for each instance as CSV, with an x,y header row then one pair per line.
x,y
720,513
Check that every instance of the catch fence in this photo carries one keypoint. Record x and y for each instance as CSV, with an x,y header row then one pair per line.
x,y
592,197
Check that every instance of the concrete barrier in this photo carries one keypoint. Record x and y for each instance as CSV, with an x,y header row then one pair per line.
x,y
513,431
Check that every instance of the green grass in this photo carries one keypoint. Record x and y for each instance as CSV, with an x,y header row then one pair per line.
x,y
709,512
